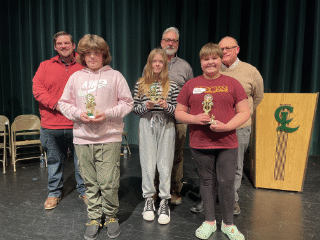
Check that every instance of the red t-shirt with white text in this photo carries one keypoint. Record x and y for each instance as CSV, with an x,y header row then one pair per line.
x,y
226,92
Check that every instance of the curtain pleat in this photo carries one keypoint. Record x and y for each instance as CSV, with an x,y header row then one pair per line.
x,y
281,38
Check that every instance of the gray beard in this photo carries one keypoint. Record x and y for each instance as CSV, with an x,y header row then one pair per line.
x,y
170,51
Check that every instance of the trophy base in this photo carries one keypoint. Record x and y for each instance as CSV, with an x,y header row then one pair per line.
x,y
212,122
90,115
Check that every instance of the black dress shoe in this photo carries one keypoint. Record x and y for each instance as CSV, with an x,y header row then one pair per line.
x,y
197,207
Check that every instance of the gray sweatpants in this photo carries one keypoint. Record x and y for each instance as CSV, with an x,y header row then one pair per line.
x,y
156,148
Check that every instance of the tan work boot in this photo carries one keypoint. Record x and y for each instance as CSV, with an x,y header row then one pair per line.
x,y
84,198
51,202
176,199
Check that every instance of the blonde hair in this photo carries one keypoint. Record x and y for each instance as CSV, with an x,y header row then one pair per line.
x,y
148,78
210,49
93,42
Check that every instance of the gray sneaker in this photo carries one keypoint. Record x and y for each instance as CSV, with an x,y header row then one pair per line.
x,y
113,227
149,209
92,229
236,209
164,212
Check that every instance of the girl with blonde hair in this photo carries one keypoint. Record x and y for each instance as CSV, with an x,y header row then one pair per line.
x,y
155,101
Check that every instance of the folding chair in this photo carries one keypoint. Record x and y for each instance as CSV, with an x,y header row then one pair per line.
x,y
125,134
3,145
26,116
25,132
6,122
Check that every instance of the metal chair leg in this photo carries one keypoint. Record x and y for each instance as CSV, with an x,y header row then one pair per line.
x,y
125,137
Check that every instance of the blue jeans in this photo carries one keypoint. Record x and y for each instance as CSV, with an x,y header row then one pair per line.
x,y
56,143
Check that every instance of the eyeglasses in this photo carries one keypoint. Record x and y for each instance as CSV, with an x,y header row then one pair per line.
x,y
228,48
168,40
92,52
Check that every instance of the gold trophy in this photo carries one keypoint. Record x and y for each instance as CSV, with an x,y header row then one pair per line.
x,y
90,105
207,106
153,94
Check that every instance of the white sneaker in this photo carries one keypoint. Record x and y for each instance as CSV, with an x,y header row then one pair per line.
x,y
164,212
149,209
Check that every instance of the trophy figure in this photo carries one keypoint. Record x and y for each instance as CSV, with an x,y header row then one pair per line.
x,y
153,94
207,106
90,105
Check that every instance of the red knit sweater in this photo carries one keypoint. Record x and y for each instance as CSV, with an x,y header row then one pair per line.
x,y
48,85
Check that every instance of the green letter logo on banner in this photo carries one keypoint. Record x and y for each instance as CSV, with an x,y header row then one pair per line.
x,y
283,119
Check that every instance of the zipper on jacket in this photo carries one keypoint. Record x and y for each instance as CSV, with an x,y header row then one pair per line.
x,y
69,64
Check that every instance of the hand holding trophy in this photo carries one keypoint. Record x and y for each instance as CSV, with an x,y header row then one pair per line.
x,y
153,94
207,106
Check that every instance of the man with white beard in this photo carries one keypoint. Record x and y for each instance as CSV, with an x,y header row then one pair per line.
x,y
180,71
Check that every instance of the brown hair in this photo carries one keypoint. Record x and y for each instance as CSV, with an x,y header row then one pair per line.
x,y
210,49
93,42
62,33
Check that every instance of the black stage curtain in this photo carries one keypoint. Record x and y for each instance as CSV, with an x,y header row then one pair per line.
x,y
281,38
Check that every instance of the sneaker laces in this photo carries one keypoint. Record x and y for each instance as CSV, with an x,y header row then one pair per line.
x,y
111,220
163,207
149,205
94,222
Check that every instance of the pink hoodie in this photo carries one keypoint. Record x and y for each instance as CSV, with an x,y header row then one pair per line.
x,y
112,96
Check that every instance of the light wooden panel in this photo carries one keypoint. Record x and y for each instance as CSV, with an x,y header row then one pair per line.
x,y
297,143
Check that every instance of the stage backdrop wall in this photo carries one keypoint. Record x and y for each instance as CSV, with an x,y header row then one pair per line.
x,y
281,38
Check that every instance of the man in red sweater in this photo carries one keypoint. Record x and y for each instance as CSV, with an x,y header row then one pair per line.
x,y
56,130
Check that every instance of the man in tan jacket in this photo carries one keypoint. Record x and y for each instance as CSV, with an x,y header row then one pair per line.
x,y
252,82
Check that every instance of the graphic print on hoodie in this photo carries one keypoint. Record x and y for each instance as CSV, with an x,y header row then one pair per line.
x,y
112,96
